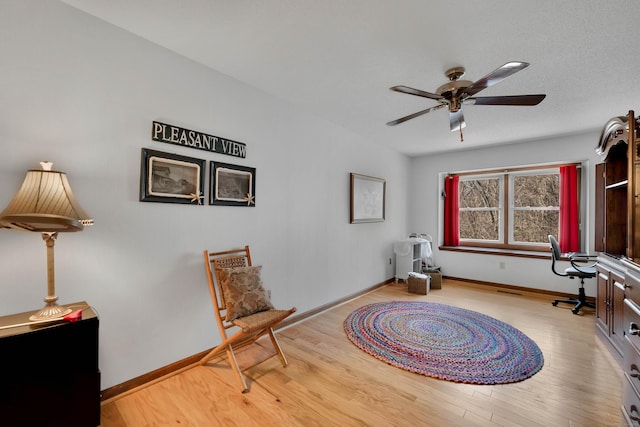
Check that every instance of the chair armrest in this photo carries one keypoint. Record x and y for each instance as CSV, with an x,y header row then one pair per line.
x,y
580,262
580,255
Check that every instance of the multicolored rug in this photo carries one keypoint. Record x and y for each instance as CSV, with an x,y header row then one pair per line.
x,y
444,342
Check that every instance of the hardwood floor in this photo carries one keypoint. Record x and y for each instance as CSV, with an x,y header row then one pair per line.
x,y
330,382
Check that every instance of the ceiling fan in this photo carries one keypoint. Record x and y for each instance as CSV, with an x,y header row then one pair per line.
x,y
457,92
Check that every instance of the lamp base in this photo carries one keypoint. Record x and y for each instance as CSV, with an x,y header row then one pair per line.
x,y
50,311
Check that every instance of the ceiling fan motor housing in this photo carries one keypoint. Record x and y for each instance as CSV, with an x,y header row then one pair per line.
x,y
452,92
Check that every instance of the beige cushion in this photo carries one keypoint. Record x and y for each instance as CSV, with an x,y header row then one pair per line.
x,y
243,291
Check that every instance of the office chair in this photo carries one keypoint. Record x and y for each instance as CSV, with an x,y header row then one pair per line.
x,y
575,271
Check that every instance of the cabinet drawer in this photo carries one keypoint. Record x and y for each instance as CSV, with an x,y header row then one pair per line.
x,y
631,364
632,285
630,404
632,323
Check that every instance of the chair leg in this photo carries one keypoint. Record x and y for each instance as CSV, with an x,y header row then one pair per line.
x,y
226,345
276,345
232,361
236,368
212,353
566,301
222,346
582,298
579,302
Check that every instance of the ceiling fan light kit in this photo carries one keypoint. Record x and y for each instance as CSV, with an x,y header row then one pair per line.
x,y
456,92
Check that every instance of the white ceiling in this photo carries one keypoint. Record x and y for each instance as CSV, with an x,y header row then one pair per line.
x,y
338,58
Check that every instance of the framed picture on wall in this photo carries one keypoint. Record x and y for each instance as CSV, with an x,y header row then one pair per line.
x,y
232,185
171,178
367,199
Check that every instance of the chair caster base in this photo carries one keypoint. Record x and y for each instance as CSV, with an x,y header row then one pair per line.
x,y
578,304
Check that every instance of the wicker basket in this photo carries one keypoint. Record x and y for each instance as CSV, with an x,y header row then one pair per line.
x,y
419,284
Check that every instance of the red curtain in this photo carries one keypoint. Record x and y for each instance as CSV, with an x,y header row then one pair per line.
x,y
451,217
569,235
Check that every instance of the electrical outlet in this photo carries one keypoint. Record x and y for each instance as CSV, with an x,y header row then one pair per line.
x,y
501,265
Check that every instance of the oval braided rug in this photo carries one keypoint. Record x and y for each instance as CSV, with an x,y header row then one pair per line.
x,y
444,342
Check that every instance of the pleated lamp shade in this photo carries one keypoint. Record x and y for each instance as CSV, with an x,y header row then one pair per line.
x,y
45,203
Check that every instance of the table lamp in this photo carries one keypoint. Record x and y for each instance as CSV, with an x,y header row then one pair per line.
x,y
45,204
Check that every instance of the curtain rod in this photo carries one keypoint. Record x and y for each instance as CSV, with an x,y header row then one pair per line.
x,y
513,169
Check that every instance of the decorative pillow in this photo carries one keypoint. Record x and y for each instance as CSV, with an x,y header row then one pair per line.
x,y
243,291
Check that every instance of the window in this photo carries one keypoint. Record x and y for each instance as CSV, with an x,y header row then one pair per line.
x,y
535,211
514,209
480,201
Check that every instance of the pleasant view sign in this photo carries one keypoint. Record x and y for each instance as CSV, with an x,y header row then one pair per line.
x,y
194,139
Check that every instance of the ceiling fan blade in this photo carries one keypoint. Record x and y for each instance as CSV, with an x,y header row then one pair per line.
x,y
414,115
456,120
417,92
496,76
507,100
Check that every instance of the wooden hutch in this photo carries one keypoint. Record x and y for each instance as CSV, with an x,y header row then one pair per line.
x,y
617,229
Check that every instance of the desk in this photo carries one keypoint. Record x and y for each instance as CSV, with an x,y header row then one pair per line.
x,y
49,372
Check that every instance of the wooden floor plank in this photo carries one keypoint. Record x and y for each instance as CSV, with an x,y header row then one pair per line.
x,y
331,382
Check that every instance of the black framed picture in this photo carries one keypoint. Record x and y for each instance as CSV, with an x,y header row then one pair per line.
x,y
232,185
171,178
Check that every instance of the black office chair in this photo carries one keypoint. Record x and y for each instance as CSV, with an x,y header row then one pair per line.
x,y
576,270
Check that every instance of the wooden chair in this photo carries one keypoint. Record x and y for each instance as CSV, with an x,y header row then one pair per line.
x,y
250,327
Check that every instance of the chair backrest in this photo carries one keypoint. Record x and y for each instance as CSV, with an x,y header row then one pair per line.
x,y
214,263
555,254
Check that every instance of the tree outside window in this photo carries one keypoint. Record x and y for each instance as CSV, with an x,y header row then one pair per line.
x,y
517,209
535,209
480,212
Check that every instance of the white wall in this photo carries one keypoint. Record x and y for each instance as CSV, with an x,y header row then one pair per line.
x,y
426,206
83,94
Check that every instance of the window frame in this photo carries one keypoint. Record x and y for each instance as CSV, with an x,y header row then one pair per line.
x,y
507,208
500,209
512,208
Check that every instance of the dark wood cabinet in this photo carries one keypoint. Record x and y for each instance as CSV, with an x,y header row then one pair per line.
x,y
615,218
49,372
617,237
612,190
610,301
631,348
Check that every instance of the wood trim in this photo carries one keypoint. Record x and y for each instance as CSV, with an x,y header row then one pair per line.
x,y
506,247
509,252
302,316
506,203
599,222
174,368
152,376
518,289
498,251
632,190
